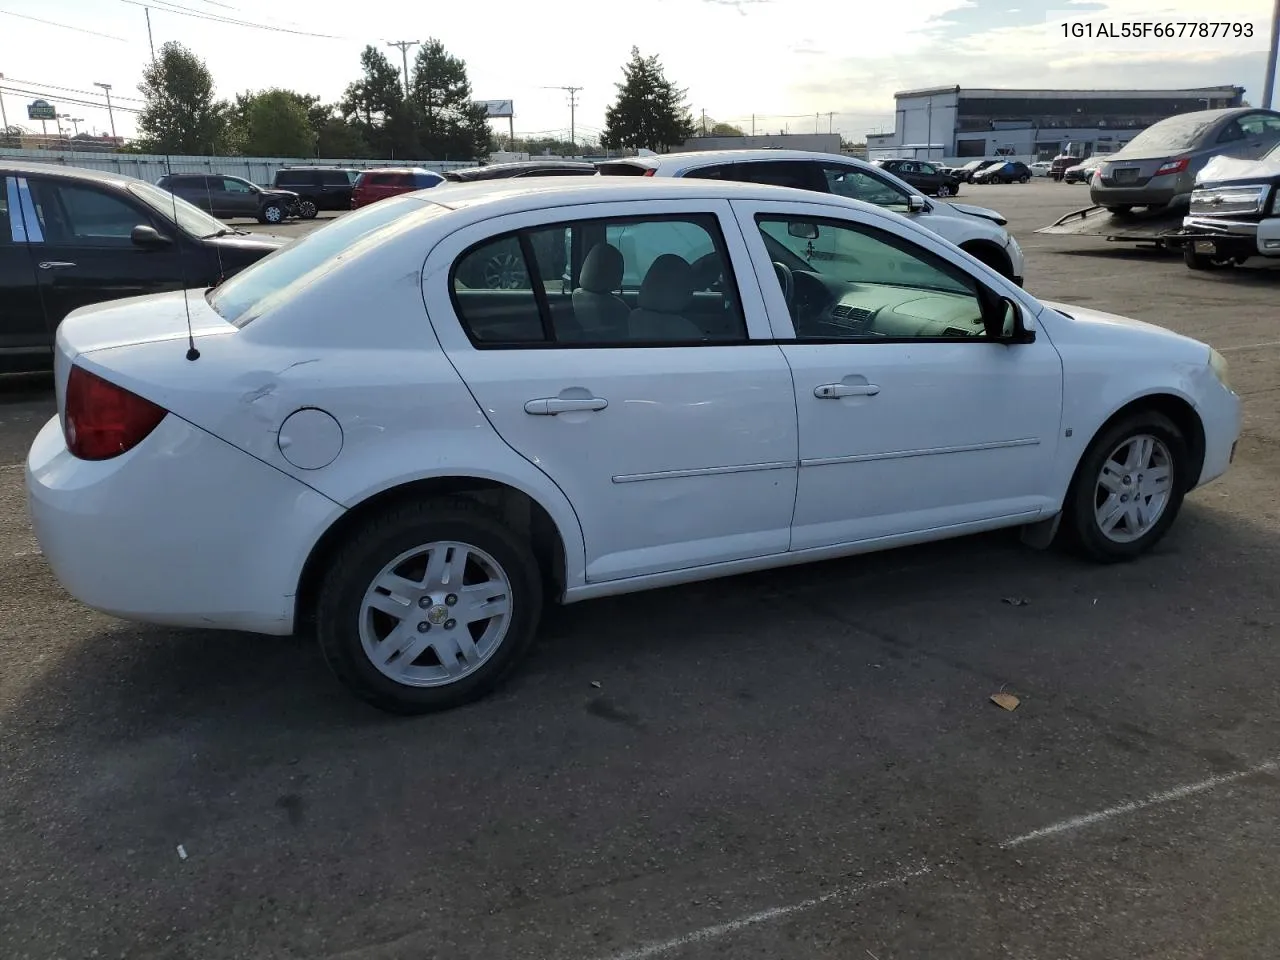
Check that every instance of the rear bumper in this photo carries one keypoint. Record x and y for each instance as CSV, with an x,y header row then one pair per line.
x,y
184,529
1154,195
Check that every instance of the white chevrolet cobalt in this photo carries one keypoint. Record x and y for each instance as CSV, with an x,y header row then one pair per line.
x,y
676,379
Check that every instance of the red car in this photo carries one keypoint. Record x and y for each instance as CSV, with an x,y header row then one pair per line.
x,y
374,185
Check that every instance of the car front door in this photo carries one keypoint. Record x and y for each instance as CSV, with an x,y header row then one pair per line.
x,y
23,331
84,253
914,420
241,198
665,413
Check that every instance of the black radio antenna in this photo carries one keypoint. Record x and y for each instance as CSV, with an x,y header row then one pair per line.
x,y
192,352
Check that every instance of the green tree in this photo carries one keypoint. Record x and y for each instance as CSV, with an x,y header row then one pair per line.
x,y
451,124
375,102
650,111
180,113
273,123
725,130
339,140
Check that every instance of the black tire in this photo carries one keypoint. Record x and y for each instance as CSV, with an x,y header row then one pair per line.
x,y
272,213
997,260
1197,261
1081,526
307,209
382,540
1024,179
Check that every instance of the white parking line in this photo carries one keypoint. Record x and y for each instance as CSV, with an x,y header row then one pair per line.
x,y
11,466
764,916
719,930
1250,346
1120,810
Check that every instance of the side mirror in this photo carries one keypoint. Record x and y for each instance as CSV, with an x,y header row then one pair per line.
x,y
148,237
915,203
803,231
1005,325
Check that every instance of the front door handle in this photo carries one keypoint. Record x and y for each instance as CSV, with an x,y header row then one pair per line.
x,y
834,391
55,264
550,406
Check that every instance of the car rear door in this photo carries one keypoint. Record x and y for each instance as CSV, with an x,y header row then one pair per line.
x,y
84,252
911,420
23,330
670,422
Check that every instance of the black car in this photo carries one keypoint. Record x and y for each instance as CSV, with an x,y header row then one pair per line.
x,y
1009,171
225,196
973,168
318,188
70,238
550,167
928,178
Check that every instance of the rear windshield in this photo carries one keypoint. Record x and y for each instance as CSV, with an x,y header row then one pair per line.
x,y
621,169
1173,134
281,275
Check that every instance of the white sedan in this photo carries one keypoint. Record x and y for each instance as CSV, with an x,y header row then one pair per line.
x,y
350,438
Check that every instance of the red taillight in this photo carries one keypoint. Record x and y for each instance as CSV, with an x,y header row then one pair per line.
x,y
1173,166
650,172
102,420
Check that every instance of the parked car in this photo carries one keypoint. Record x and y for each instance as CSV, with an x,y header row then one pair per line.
x,y
1006,171
71,237
1235,212
1041,168
973,167
412,488
976,230
928,178
374,185
226,196
1082,172
318,188
1158,167
549,167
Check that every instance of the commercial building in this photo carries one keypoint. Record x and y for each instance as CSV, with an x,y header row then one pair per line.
x,y
817,142
944,123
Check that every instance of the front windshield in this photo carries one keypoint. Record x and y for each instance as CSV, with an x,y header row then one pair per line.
x,y
191,219
1173,134
282,274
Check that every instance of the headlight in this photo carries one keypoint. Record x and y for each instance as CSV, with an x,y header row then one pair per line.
x,y
1218,364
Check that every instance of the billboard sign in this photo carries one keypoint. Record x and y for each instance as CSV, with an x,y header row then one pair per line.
x,y
498,108
41,110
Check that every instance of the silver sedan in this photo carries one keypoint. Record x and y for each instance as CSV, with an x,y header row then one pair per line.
x,y
1158,167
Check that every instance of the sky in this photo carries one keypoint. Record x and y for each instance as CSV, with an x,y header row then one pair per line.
x,y
796,65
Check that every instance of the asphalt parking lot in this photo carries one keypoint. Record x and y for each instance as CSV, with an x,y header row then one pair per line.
x,y
798,764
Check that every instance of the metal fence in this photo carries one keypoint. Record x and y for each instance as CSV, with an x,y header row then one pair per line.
x,y
258,169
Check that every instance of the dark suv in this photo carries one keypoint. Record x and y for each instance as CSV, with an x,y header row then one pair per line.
x,y
928,178
225,196
318,188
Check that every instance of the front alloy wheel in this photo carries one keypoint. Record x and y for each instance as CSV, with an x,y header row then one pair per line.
x,y
307,209
944,191
1129,487
272,213
428,605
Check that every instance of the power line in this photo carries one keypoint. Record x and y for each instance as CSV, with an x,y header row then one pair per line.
x,y
54,86
81,103
51,23
165,7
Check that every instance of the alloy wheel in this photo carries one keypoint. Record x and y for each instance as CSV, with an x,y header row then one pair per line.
x,y
1133,488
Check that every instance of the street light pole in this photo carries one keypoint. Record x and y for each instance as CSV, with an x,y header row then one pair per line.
x,y
1270,85
4,120
111,116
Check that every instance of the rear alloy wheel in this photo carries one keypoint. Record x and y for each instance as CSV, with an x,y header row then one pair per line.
x,y
272,213
1128,488
1024,179
307,209
428,606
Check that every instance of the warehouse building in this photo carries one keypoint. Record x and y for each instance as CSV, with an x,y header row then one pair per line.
x,y
944,123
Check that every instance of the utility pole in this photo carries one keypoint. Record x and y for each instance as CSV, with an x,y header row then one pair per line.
x,y
75,124
573,105
753,124
831,124
4,120
403,46
704,122
111,116
1269,88
150,42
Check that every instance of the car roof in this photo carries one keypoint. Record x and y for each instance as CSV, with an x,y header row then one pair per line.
x,y
316,167
27,169
397,170
700,157
494,171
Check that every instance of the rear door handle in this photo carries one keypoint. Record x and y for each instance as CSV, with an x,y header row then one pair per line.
x,y
550,406
834,391
55,264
